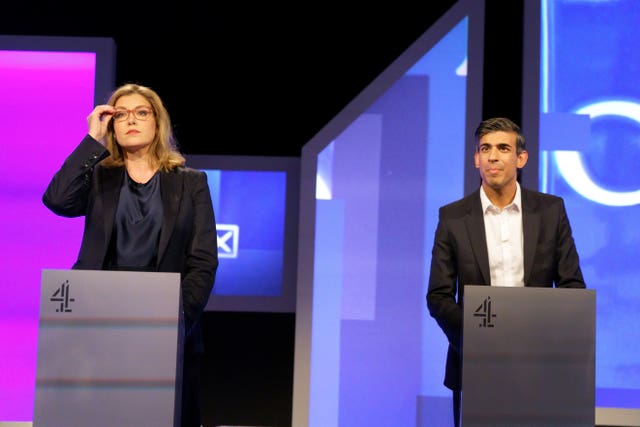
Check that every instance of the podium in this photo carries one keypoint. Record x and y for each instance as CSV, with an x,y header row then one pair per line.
x,y
109,349
528,357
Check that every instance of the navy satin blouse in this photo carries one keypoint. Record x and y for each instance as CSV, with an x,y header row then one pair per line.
x,y
137,225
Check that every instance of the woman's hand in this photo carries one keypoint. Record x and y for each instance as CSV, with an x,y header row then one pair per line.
x,y
98,121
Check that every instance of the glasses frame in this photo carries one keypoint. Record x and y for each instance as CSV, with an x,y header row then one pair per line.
x,y
135,113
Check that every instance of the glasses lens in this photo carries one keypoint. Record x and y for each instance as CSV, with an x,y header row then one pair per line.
x,y
142,113
120,114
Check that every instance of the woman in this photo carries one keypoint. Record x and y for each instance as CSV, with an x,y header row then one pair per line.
x,y
144,210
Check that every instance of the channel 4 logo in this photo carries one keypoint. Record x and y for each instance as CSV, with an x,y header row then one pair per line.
x,y
485,313
62,298
228,239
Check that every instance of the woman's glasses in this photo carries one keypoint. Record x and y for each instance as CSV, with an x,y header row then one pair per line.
x,y
140,113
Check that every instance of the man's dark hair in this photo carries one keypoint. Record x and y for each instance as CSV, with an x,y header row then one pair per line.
x,y
497,124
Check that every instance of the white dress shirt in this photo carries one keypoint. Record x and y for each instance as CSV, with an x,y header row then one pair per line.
x,y
503,228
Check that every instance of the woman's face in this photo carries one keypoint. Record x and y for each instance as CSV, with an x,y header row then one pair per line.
x,y
134,122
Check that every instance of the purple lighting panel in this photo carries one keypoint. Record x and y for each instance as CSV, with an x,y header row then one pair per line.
x,y
45,98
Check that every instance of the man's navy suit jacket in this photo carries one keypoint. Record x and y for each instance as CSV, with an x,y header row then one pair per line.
x,y
460,257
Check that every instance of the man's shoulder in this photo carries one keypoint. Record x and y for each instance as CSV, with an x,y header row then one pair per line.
x,y
461,206
539,197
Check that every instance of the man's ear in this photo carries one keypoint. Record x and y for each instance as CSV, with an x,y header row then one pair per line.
x,y
522,159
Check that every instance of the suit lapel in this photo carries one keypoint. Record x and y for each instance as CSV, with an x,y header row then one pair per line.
x,y
171,189
475,228
112,183
530,231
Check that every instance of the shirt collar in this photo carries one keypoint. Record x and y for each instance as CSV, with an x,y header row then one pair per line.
x,y
515,205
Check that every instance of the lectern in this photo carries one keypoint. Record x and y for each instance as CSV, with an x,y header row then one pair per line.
x,y
109,349
528,357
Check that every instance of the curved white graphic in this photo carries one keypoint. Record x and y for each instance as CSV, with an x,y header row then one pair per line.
x,y
572,169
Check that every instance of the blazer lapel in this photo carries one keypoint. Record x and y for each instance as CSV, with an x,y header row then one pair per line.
x,y
112,183
171,190
475,228
530,231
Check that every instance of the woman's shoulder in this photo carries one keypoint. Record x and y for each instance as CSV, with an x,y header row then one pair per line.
x,y
188,175
186,170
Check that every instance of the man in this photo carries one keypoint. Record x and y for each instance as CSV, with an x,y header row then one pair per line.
x,y
500,235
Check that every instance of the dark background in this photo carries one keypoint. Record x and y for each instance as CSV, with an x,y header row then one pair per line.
x,y
262,80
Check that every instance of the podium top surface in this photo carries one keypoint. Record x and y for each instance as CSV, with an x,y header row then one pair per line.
x,y
109,295
510,311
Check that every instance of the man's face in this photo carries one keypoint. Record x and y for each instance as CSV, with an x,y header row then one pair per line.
x,y
498,161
